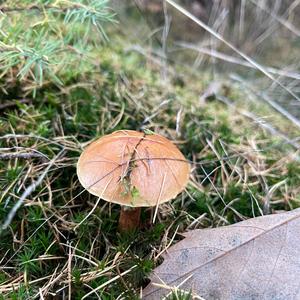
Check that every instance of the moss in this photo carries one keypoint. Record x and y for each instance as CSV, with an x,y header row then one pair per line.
x,y
120,93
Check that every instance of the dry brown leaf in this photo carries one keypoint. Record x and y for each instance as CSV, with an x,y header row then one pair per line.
x,y
254,259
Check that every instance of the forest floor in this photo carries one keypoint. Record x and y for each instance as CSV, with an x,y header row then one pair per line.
x,y
240,169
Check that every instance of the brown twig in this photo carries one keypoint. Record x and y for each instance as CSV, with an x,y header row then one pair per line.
x,y
10,103
27,155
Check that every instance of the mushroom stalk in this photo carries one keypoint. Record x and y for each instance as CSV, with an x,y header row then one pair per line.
x,y
129,218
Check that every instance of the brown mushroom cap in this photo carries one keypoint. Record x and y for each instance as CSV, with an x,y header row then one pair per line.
x,y
134,169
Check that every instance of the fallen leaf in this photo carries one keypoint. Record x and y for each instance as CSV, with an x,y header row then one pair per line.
x,y
255,259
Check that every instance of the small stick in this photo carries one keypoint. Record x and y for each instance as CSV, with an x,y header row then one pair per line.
x,y
13,103
28,155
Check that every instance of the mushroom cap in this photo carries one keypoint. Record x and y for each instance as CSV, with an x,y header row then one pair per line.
x,y
133,168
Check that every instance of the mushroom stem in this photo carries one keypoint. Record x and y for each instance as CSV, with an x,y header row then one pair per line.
x,y
129,218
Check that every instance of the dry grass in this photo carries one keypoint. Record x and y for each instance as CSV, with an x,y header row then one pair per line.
x,y
54,247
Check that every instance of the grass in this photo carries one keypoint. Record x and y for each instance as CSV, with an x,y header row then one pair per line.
x,y
238,171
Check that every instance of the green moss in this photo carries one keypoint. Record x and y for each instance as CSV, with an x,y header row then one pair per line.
x,y
121,92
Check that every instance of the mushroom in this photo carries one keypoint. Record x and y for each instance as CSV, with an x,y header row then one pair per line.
x,y
133,169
